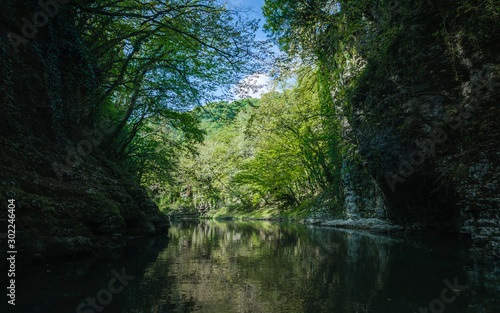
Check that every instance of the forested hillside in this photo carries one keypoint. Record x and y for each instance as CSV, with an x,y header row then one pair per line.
x,y
260,157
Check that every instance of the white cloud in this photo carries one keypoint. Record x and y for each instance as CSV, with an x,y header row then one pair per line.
x,y
253,86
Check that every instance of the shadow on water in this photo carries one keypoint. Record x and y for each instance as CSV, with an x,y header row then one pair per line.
x,y
237,266
58,287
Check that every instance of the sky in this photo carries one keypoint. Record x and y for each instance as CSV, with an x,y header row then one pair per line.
x,y
255,13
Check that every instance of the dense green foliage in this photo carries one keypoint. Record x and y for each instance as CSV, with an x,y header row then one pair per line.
x,y
158,74
133,67
355,64
272,152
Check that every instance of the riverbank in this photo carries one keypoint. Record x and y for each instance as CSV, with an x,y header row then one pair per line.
x,y
320,216
295,215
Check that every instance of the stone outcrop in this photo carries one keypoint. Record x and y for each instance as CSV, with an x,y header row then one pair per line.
x,y
96,206
429,158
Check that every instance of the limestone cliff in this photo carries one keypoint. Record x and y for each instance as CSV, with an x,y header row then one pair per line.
x,y
421,114
69,197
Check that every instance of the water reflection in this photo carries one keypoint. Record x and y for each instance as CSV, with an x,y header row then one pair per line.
x,y
269,267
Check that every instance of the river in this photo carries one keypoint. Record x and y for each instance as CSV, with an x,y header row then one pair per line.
x,y
258,266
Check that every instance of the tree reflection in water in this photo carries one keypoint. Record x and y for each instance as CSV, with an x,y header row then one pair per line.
x,y
254,266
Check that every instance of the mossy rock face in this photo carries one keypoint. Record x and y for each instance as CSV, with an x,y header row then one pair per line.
x,y
106,216
91,209
141,228
151,210
120,195
131,212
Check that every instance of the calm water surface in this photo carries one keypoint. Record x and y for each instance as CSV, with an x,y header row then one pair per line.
x,y
265,267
